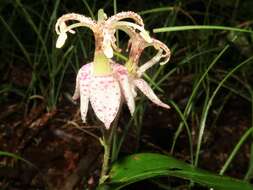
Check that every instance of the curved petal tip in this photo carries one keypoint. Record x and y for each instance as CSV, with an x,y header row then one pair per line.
x,y
61,40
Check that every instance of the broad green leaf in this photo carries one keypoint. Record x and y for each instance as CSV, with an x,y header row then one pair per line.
x,y
147,165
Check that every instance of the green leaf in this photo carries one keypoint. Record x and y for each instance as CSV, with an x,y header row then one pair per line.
x,y
147,165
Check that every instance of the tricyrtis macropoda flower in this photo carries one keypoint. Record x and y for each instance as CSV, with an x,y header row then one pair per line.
x,y
103,82
103,29
137,44
103,92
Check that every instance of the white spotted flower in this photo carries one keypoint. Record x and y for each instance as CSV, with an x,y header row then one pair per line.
x,y
102,82
137,43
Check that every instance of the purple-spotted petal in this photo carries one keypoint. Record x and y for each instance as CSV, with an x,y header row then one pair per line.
x,y
84,104
122,76
77,89
82,89
147,91
82,76
105,97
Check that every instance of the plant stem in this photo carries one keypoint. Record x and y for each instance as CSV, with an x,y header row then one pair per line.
x,y
107,144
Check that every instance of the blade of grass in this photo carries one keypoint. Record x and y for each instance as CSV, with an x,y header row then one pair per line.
x,y
193,95
186,126
63,70
166,9
235,150
115,12
33,25
21,46
156,10
17,157
207,107
233,89
89,9
249,173
182,63
200,27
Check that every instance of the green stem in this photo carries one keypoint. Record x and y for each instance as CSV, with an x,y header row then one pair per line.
x,y
106,142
